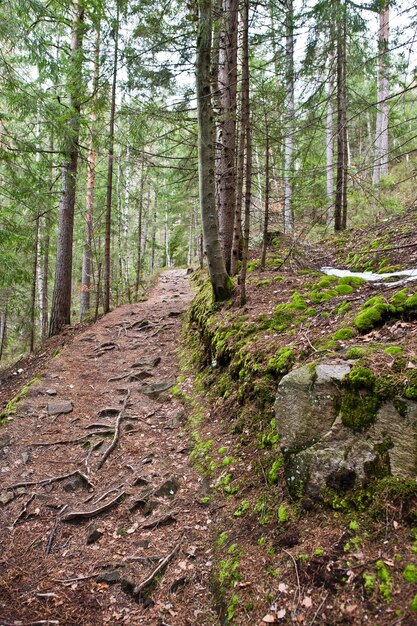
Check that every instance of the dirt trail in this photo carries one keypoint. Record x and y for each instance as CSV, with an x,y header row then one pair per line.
x,y
154,510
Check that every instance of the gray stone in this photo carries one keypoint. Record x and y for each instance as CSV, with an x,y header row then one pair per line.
x,y
75,483
93,534
51,392
139,481
64,406
144,362
169,488
110,578
323,453
6,497
138,376
307,403
154,390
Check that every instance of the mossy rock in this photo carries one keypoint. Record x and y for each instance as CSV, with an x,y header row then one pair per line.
x,y
353,281
373,313
344,290
344,334
359,410
411,389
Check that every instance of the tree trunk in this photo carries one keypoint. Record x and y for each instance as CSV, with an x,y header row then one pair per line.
x,y
329,140
3,327
289,117
237,226
222,285
107,242
248,168
266,209
139,236
340,208
227,79
381,132
61,299
90,190
33,289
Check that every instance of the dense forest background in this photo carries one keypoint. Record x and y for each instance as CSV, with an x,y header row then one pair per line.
x,y
315,109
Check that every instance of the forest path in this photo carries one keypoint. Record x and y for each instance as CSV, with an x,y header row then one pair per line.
x,y
60,567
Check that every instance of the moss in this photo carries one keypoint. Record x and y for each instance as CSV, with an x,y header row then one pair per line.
x,y
326,282
344,290
410,573
282,513
353,281
411,303
263,283
373,313
413,605
253,265
273,473
359,402
355,352
344,334
361,378
278,279
385,583
270,436
399,298
411,389
392,350
342,308
281,363
11,406
388,386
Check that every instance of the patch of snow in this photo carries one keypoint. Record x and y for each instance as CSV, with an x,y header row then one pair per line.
x,y
378,279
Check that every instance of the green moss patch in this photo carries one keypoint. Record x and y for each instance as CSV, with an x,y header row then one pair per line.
x,y
373,313
343,334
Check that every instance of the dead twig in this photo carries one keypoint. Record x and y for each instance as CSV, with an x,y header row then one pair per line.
x,y
318,609
53,479
104,495
148,582
116,432
53,531
78,515
116,378
24,509
296,573
63,442
161,521
90,452
75,580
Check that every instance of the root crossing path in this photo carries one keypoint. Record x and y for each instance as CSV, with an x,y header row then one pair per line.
x,y
100,511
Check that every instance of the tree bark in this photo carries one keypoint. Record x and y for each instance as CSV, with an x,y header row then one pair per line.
x,y
289,117
3,327
33,289
61,299
107,242
381,131
340,208
220,280
139,236
267,189
329,139
248,167
90,191
227,79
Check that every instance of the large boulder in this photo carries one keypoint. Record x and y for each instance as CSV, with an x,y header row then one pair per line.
x,y
321,452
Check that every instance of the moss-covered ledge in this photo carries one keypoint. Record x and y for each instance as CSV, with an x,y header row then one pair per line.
x,y
342,425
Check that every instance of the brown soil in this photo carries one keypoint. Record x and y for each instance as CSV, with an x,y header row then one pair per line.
x,y
49,574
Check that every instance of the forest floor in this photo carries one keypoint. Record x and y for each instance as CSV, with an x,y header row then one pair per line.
x,y
83,534
134,532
